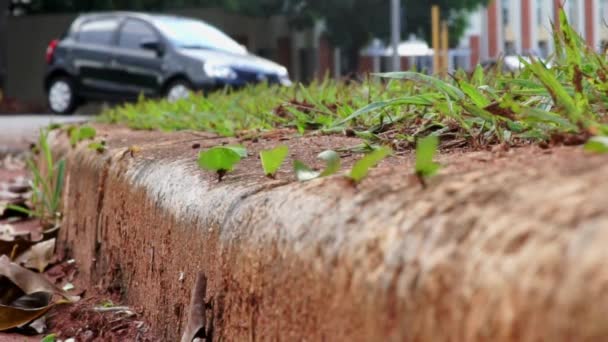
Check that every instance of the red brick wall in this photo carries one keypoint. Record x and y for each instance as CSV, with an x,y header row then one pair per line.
x,y
475,46
526,30
326,60
493,25
284,53
366,64
405,63
589,29
557,5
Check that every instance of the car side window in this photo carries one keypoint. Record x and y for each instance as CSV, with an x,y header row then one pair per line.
x,y
98,31
133,33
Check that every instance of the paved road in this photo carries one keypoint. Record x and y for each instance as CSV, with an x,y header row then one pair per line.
x,y
19,130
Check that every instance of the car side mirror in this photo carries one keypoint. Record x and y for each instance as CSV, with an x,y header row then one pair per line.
x,y
153,45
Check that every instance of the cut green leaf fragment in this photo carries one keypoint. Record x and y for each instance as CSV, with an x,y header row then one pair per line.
x,y
426,149
332,165
219,158
240,150
332,162
86,132
99,147
597,145
81,133
49,338
273,159
362,167
304,172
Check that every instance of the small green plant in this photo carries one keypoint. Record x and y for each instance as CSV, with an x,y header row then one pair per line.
x,y
425,167
362,167
273,159
305,173
78,134
47,185
221,159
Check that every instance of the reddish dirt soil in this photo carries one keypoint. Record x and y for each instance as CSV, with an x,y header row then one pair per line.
x,y
79,320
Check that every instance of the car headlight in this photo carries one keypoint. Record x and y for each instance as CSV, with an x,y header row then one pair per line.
x,y
283,72
284,77
219,71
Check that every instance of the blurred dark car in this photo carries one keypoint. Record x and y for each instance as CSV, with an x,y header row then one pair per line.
x,y
117,56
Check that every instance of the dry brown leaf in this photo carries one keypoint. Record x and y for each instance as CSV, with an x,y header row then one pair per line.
x,y
11,243
7,232
196,319
26,295
39,256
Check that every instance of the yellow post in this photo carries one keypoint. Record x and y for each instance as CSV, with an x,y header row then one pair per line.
x,y
435,29
444,48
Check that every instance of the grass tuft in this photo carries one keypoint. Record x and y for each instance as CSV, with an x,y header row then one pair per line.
x,y
566,94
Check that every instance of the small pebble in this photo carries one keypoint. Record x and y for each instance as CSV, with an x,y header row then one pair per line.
x,y
88,336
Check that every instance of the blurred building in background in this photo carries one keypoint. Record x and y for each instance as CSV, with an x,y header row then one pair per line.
x,y
524,27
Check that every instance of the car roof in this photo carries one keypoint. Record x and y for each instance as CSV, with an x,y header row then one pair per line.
x,y
128,14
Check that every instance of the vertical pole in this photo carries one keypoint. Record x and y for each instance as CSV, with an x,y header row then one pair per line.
x,y
436,47
444,48
337,63
396,33
376,63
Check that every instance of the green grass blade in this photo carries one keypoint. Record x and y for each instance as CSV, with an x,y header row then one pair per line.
x,y
556,89
59,181
474,94
452,91
20,209
45,149
418,100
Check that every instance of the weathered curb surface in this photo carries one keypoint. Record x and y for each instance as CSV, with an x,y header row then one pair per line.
x,y
511,249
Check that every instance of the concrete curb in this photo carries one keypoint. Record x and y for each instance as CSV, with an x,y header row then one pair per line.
x,y
514,250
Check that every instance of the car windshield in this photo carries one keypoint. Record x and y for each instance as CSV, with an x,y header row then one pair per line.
x,y
193,34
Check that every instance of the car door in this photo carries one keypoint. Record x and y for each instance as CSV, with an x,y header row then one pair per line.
x,y
93,53
140,66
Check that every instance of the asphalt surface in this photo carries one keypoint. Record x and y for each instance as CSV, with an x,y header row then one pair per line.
x,y
17,131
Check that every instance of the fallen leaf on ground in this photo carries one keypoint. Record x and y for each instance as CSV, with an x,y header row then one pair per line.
x,y
25,295
7,232
39,325
39,256
196,318
11,243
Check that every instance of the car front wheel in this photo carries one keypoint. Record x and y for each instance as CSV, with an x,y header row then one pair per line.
x,y
61,96
178,90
